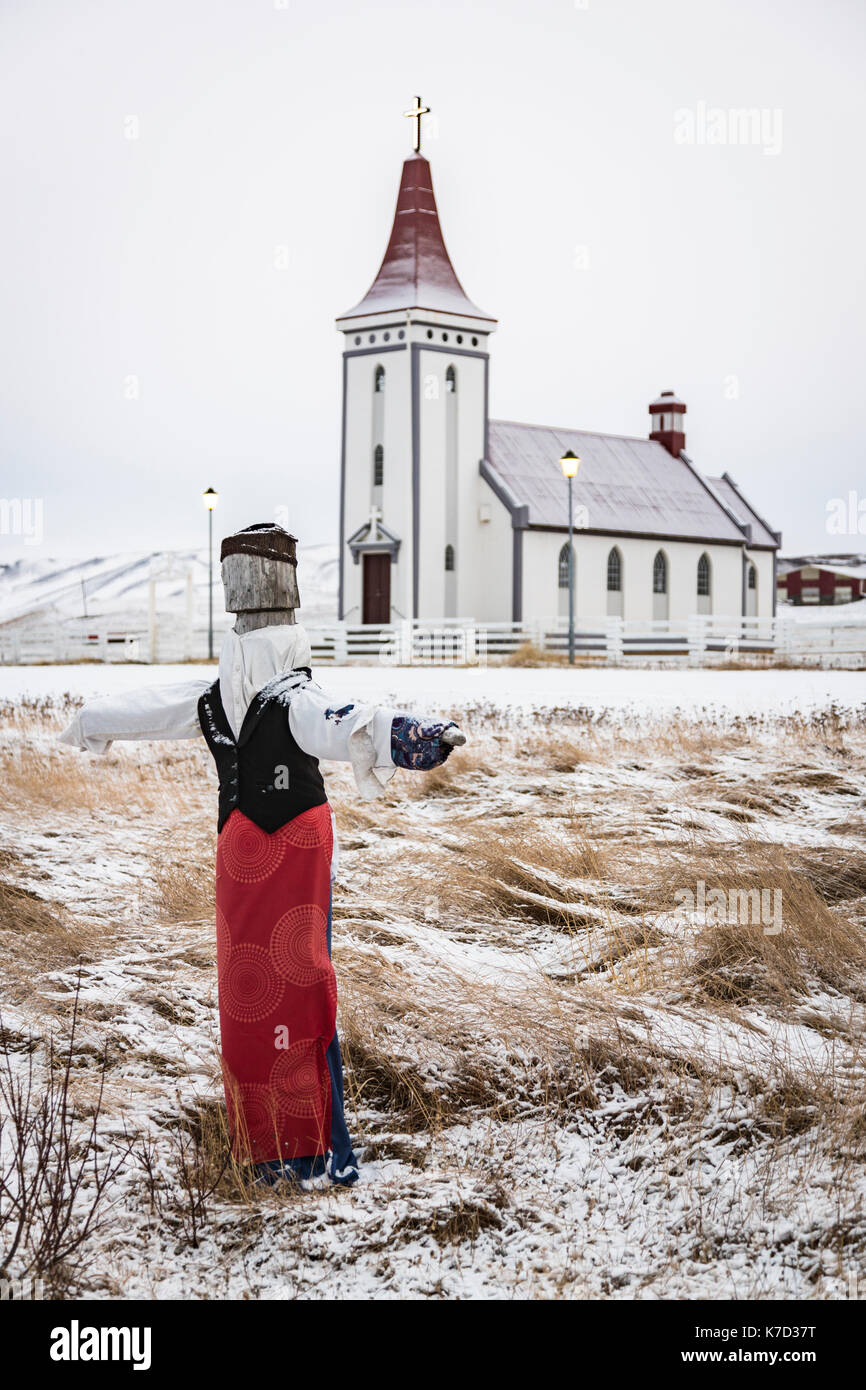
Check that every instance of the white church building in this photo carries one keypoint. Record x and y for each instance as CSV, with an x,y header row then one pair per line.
x,y
445,513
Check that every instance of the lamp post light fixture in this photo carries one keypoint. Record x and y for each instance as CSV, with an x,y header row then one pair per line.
x,y
210,497
569,463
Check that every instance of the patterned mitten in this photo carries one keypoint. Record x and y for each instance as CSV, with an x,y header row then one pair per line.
x,y
419,743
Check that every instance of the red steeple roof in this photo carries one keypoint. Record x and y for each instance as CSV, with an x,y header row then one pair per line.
x,y
417,272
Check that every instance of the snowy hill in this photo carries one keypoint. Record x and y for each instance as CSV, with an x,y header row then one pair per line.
x,y
119,585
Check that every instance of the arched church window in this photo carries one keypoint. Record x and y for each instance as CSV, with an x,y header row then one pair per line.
x,y
563,567
753,577
450,380
379,379
660,574
378,465
704,575
449,557
614,571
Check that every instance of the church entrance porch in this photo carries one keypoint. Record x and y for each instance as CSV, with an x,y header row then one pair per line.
x,y
376,600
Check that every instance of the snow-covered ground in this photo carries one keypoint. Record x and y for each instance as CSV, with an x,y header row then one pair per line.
x,y
559,1085
636,691
854,612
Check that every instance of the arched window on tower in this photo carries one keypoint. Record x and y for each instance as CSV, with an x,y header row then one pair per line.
x,y
660,586
378,465
753,577
449,558
379,379
450,380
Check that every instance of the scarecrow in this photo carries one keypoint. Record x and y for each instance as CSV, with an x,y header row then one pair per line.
x,y
267,724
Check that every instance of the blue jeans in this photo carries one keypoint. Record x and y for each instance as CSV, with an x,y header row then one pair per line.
x,y
342,1154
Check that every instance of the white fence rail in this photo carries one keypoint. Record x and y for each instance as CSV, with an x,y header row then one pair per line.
x,y
699,640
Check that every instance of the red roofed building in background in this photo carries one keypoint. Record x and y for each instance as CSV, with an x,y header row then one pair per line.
x,y
822,579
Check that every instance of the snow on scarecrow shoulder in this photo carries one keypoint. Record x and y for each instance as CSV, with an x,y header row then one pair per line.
x,y
267,724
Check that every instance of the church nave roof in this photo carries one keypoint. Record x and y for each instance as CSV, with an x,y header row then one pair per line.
x,y
629,486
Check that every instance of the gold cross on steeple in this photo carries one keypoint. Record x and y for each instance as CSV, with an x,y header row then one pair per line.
x,y
415,114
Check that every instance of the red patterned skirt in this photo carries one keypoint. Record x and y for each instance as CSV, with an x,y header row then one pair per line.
x,y
277,990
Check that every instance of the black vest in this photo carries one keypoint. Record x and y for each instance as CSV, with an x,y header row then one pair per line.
x,y
264,773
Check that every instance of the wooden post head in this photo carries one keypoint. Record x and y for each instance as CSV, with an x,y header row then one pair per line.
x,y
259,573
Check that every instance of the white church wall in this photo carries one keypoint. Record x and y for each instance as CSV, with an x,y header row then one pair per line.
x,y
480,587
489,544
726,579
434,528
763,562
396,490
470,417
359,429
432,537
541,595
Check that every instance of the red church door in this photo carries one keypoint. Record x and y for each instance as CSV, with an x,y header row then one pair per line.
x,y
377,588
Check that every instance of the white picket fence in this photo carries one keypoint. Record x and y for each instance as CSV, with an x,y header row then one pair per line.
x,y
698,641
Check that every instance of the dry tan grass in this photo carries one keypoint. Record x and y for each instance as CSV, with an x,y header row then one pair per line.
x,y
506,1055
509,871
528,654
551,851
37,934
182,876
546,869
54,777
456,775
39,773
741,961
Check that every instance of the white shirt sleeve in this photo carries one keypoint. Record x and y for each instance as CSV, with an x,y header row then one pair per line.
x,y
358,734
156,711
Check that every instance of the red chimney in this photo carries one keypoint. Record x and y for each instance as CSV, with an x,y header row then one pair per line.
x,y
667,422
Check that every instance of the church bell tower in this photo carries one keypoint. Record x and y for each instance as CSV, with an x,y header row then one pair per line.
x,y
415,388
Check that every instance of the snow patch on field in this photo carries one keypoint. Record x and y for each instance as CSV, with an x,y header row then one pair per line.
x,y
558,1085
641,692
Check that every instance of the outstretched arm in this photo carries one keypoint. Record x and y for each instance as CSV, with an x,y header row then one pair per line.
x,y
156,711
374,739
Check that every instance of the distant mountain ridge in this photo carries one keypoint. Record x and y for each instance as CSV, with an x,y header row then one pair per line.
x,y
118,585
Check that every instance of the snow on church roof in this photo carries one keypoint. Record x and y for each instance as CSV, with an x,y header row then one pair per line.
x,y
743,511
416,272
628,486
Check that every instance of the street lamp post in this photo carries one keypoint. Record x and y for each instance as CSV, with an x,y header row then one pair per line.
x,y
569,463
210,498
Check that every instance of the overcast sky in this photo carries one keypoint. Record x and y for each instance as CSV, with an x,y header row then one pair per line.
x,y
621,253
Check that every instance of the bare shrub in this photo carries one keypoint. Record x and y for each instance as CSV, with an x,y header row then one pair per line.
x,y
56,1170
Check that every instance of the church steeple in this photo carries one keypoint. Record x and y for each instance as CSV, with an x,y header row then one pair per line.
x,y
415,393
416,272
